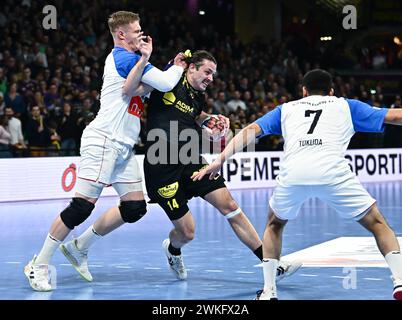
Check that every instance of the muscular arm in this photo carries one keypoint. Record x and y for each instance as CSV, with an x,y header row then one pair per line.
x,y
131,85
240,141
394,116
133,79
142,90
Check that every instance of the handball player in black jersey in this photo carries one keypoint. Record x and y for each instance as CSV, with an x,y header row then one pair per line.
x,y
174,118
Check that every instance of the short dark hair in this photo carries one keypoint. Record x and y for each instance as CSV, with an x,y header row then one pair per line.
x,y
198,56
317,81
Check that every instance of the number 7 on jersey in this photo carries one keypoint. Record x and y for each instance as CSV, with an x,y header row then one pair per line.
x,y
317,115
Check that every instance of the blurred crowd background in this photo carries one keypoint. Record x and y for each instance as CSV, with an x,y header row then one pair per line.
x,y
50,80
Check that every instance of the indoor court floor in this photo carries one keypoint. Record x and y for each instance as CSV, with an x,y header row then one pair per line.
x,y
340,258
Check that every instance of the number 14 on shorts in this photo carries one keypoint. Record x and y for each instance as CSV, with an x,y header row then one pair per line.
x,y
172,203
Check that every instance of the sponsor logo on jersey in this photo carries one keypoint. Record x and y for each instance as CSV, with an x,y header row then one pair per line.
x,y
169,190
136,107
184,107
170,99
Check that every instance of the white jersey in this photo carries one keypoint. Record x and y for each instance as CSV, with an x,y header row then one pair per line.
x,y
317,131
119,115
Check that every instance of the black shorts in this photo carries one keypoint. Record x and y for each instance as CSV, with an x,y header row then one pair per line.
x,y
171,186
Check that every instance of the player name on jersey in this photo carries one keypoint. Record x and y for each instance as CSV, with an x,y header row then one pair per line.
x,y
310,142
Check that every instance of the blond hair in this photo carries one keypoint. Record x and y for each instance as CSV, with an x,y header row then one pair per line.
x,y
121,18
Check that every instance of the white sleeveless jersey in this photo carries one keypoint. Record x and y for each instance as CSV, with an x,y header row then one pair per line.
x,y
317,131
119,115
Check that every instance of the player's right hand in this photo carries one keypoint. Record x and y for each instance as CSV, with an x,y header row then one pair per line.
x,y
146,47
211,169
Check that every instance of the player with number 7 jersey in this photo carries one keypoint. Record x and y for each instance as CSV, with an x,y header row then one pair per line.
x,y
317,130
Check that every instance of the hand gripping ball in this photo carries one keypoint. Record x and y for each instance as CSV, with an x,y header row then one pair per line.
x,y
215,126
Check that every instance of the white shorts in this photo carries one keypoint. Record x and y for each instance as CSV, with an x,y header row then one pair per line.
x,y
349,199
104,162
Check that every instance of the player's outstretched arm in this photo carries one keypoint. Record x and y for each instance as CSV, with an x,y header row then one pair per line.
x,y
238,143
394,116
165,81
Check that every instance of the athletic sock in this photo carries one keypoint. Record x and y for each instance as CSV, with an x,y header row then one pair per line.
x,y
89,237
49,247
269,267
394,261
173,250
258,252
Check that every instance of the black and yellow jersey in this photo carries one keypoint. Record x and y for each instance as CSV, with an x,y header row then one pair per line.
x,y
174,111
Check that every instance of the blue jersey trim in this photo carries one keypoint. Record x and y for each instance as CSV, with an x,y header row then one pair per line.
x,y
366,118
270,123
125,60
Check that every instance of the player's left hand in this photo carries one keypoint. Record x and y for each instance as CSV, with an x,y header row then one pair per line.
x,y
211,169
179,60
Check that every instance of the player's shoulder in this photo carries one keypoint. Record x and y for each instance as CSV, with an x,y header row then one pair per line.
x,y
119,52
290,104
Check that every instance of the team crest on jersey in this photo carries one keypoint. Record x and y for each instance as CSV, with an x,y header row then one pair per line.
x,y
169,98
169,190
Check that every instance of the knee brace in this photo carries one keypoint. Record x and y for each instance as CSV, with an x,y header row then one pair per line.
x,y
132,211
77,212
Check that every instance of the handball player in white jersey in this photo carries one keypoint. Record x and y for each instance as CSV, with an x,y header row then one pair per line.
x,y
107,149
317,130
